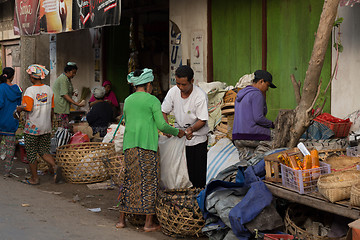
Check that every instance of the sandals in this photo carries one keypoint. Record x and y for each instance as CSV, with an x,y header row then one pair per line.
x,y
26,181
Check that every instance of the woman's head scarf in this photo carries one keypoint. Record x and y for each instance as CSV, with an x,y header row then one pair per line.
x,y
145,77
37,71
106,83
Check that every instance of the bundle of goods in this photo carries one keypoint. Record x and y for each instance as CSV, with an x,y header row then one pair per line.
x,y
337,186
178,213
340,127
115,167
84,162
302,174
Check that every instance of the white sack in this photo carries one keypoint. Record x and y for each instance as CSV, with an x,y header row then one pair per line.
x,y
173,168
222,155
119,137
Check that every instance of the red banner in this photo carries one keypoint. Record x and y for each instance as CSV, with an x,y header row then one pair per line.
x,y
26,21
54,16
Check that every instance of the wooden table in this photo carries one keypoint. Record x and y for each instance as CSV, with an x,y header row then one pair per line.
x,y
314,200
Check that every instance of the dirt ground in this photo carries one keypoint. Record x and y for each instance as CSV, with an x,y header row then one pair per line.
x,y
106,199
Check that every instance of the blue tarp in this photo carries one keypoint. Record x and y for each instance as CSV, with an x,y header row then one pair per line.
x,y
257,197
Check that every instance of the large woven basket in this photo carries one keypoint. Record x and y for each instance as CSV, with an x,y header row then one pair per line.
x,y
83,162
179,214
342,163
337,186
115,167
355,195
295,217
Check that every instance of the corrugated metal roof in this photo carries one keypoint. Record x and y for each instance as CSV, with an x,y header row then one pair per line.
x,y
348,2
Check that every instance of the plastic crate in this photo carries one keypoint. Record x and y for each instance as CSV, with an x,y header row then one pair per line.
x,y
277,236
340,129
303,181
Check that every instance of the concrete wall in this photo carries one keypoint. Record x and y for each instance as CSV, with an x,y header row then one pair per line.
x,y
190,16
7,21
345,97
33,50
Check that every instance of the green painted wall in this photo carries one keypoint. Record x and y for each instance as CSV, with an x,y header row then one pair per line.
x,y
291,27
116,58
236,38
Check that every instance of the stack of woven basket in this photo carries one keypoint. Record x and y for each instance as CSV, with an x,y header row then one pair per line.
x,y
344,181
227,119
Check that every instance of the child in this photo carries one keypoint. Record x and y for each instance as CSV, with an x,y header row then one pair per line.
x,y
10,97
38,102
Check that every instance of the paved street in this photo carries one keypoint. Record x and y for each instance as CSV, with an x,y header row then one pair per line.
x,y
28,213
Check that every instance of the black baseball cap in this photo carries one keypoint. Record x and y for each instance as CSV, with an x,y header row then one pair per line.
x,y
262,74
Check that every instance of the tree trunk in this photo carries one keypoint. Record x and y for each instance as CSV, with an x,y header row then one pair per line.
x,y
289,135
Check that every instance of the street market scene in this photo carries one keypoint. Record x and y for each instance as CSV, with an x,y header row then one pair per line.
x,y
165,119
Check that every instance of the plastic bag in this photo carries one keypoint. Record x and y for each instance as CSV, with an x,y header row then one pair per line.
x,y
62,137
79,137
174,172
118,139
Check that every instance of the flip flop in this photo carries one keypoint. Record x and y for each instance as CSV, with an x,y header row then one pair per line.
x,y
58,175
26,181
152,229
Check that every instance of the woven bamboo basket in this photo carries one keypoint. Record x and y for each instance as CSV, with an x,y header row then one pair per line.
x,y
179,214
83,162
115,167
355,195
342,163
337,186
296,217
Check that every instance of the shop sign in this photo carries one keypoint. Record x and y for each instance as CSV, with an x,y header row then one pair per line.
x,y
26,17
54,16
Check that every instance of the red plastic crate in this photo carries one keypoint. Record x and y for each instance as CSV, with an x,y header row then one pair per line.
x,y
340,129
278,236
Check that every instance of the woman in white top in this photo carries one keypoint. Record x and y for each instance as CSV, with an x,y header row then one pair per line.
x,y
38,102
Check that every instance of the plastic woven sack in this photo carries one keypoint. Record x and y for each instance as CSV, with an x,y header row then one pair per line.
x,y
174,172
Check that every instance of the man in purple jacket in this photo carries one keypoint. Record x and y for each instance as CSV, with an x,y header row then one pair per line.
x,y
250,124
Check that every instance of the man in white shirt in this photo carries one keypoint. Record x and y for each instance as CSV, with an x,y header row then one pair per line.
x,y
190,106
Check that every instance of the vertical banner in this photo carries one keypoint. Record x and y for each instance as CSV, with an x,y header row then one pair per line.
x,y
175,52
26,14
96,13
197,56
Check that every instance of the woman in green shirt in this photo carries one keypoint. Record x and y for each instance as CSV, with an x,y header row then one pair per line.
x,y
143,118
